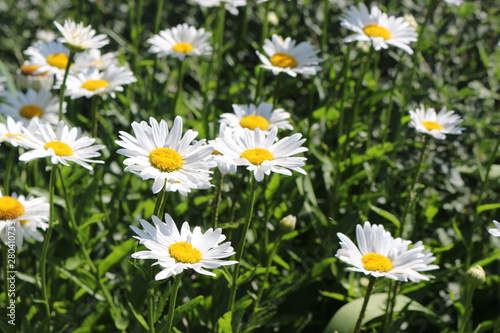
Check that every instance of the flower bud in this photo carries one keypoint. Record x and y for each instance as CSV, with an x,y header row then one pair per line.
x,y
288,223
475,276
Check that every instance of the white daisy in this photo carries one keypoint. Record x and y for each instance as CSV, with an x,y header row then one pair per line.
x,y
181,41
78,38
12,131
454,2
287,57
93,58
91,82
493,231
177,251
166,156
261,153
437,125
50,57
62,146
33,103
262,116
222,163
230,5
26,215
380,255
28,77
378,28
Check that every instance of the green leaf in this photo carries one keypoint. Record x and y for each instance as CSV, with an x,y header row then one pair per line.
x,y
118,253
487,207
224,323
345,318
184,309
385,214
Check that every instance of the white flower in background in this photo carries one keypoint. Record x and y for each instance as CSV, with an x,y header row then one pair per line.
x,y
50,57
229,5
93,58
181,41
45,36
168,157
26,215
91,82
223,165
12,131
437,125
261,153
380,255
287,57
378,28
262,116
33,103
177,251
28,77
454,2
78,37
62,146
495,231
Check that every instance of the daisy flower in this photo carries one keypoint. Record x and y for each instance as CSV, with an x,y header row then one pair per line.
x,y
50,57
229,5
12,131
91,82
437,125
380,255
262,116
454,2
78,37
287,57
28,77
177,251
62,146
166,156
261,153
33,103
93,58
181,41
493,231
27,215
378,28
222,164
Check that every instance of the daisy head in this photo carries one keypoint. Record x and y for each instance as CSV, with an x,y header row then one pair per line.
x,y
78,38
62,146
12,131
181,41
28,77
262,116
495,231
167,156
91,82
378,28
34,103
380,255
26,215
177,251
223,165
262,153
437,125
51,58
287,57
230,5
93,58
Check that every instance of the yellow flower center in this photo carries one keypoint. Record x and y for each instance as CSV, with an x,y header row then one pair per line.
x,y
10,208
374,30
59,60
257,155
432,125
184,252
29,69
166,159
23,222
29,111
283,60
183,47
376,262
254,121
216,152
60,148
93,85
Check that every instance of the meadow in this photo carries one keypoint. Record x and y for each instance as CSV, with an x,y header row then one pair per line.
x,y
333,113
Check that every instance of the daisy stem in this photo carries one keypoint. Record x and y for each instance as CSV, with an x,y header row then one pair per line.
x,y
369,290
46,243
180,82
265,23
277,89
94,105
324,30
8,170
172,301
411,194
465,320
218,197
391,302
63,85
258,87
241,243
159,10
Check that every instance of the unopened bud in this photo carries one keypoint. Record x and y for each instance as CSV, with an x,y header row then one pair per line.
x,y
288,223
475,275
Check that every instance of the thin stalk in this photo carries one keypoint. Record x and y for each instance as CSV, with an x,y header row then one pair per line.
x,y
159,10
180,83
94,105
258,87
468,308
63,85
8,170
369,290
265,23
277,89
46,243
241,243
173,299
324,29
392,303
218,197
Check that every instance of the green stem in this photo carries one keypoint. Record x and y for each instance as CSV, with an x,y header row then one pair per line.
x,y
180,83
46,244
63,85
265,24
218,197
159,10
324,30
369,290
94,105
468,308
392,303
277,89
173,299
8,170
241,243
